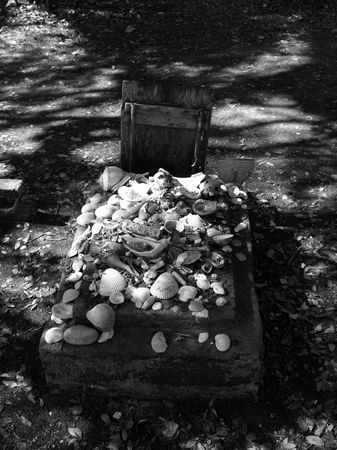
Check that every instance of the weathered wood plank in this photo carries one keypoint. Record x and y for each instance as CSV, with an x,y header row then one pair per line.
x,y
10,188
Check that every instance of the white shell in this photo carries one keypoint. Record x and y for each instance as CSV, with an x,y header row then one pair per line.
x,y
105,336
56,319
63,311
222,239
70,295
114,199
221,301
157,306
88,207
240,226
77,264
158,342
222,342
85,218
96,228
139,295
102,316
187,293
111,281
165,286
116,298
96,198
218,288
196,305
53,335
188,257
80,335
202,282
195,222
105,211
74,277
211,232
203,337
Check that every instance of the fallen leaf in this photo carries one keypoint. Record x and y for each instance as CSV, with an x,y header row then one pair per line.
x,y
25,421
75,432
170,428
316,441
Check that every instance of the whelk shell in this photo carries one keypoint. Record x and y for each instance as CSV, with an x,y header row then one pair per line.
x,y
165,286
222,342
187,293
113,260
111,281
158,342
102,316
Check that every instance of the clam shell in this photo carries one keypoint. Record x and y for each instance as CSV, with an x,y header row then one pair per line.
x,y
218,288
188,257
105,336
96,198
157,306
63,311
187,293
53,335
111,281
139,295
221,301
85,218
158,342
113,200
195,222
211,232
202,282
203,337
96,228
119,215
77,264
164,287
105,211
74,277
102,316
70,295
196,305
80,335
116,298
222,239
88,207
222,342
148,302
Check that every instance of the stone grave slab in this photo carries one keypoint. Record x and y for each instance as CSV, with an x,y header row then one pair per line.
x,y
126,364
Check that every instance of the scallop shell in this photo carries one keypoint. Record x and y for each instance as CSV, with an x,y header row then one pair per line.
x,y
70,295
85,218
222,342
188,257
202,282
53,335
165,286
80,335
187,293
158,342
88,207
139,295
63,311
102,316
105,211
222,239
203,336
111,281
116,298
218,288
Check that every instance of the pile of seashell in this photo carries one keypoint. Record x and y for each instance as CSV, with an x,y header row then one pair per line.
x,y
158,243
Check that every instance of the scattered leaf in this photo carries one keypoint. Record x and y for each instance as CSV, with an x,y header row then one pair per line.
x,y
75,432
316,441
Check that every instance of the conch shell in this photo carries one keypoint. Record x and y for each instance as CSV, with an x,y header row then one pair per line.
x,y
164,287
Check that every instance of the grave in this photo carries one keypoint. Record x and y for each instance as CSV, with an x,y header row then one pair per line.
x,y
210,343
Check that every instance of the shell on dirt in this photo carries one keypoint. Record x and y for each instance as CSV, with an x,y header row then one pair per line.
x,y
85,218
187,293
188,257
54,334
218,288
165,286
111,281
222,342
80,335
158,342
105,211
88,207
102,316
116,298
196,305
222,239
74,277
106,336
139,295
202,282
203,336
195,222
110,177
96,198
157,306
149,302
63,311
212,231
70,295
119,215
221,301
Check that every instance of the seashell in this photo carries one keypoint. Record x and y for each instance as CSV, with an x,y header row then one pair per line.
x,y
203,337
113,260
222,342
237,201
85,218
77,264
151,207
111,281
74,277
170,225
143,214
113,200
218,288
102,316
139,295
70,295
233,191
204,207
196,305
217,260
145,247
195,222
227,249
203,314
222,239
133,194
171,215
63,311
53,335
187,293
119,215
148,302
106,336
150,274
207,267
80,335
211,232
240,226
116,298
96,228
88,207
165,286
241,257
187,258
157,306
158,342
110,177
202,282
105,211
178,278
96,198
56,319
221,301
115,247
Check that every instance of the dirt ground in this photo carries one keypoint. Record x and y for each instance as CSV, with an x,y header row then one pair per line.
x,y
272,68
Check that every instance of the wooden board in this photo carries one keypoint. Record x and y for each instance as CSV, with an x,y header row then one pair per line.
x,y
10,188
